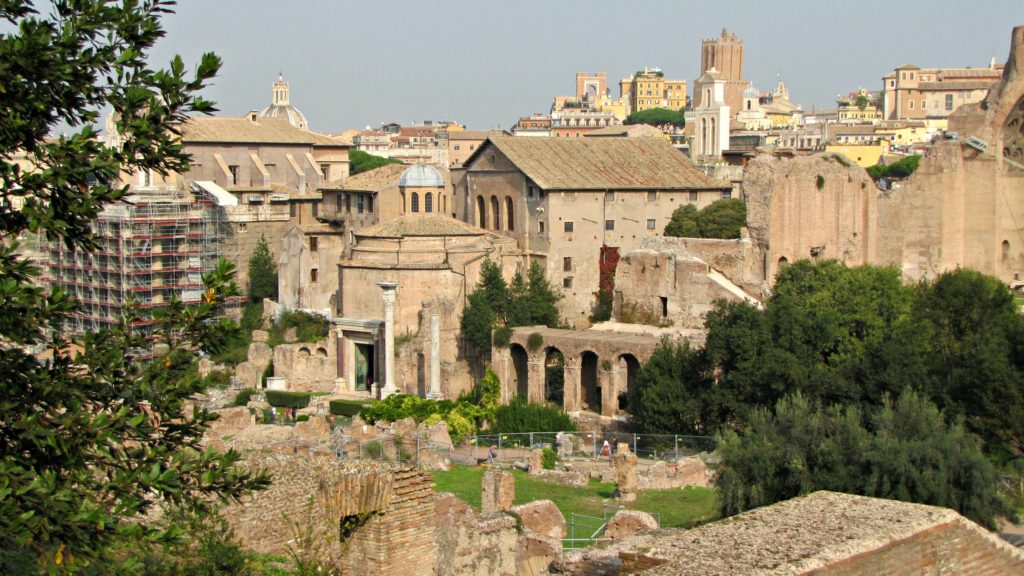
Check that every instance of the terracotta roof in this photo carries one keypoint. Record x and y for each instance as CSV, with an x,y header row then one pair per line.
x,y
421,225
205,129
631,131
601,163
469,135
370,181
983,84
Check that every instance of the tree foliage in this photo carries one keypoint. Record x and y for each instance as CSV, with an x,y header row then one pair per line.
x,y
899,169
90,443
671,392
658,117
902,450
721,219
359,161
524,302
262,273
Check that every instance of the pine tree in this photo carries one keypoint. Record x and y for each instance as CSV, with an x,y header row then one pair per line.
x,y
262,273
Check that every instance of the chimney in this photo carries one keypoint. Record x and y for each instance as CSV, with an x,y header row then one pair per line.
x,y
254,116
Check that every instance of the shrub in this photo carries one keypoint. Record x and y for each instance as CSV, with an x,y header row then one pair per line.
x,y
243,397
285,399
520,416
819,182
534,341
347,408
217,379
899,169
502,336
548,458
309,327
302,418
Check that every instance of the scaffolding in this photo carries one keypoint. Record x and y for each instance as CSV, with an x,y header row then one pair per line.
x,y
152,245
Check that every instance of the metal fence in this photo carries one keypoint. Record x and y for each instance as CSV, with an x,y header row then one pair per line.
x,y
490,448
583,530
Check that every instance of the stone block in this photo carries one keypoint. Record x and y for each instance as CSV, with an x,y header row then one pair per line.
x,y
248,374
205,367
542,517
315,427
235,417
260,336
291,335
536,553
499,490
428,460
535,462
260,354
627,523
624,464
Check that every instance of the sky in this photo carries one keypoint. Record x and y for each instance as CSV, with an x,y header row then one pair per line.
x,y
486,63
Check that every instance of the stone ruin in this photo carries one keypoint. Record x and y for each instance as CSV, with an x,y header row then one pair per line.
x,y
499,490
624,464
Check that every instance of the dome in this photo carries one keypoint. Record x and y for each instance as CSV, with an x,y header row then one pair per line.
x,y
421,175
280,106
751,93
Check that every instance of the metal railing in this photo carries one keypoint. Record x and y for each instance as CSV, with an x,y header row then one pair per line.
x,y
583,530
491,448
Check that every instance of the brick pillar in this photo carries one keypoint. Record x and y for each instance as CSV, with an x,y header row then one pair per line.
x,y
608,380
573,384
399,540
535,375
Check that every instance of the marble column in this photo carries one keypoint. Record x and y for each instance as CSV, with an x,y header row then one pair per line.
x,y
388,388
435,357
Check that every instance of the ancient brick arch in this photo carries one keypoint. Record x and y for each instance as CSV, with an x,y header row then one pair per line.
x,y
599,366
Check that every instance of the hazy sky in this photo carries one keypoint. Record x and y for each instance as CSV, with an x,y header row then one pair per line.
x,y
485,64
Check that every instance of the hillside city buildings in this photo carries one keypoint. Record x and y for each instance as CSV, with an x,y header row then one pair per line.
x,y
574,190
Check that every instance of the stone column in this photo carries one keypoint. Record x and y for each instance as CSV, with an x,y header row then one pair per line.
x,y
388,387
435,357
340,384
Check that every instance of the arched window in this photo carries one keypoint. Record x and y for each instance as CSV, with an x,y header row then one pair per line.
x,y
481,212
1006,249
428,202
510,221
414,203
495,213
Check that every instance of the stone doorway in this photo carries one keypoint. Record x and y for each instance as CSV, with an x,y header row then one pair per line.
x,y
629,366
363,366
554,376
521,382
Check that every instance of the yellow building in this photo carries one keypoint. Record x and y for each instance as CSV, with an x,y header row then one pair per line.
x,y
904,132
864,155
648,89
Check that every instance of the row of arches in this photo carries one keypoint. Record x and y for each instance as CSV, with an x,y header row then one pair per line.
x,y
428,202
499,219
585,383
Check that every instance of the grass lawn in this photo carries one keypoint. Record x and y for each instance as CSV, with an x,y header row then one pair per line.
x,y
677,507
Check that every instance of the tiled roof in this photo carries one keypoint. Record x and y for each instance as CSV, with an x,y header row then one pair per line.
x,y
983,84
602,163
631,131
212,129
370,181
469,135
421,225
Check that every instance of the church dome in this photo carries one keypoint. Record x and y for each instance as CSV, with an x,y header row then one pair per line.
x,y
421,175
751,93
281,107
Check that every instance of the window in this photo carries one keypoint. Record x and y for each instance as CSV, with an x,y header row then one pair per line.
x,y
428,202
609,224
292,211
892,83
456,146
568,226
316,209
540,226
923,104
567,282
314,243
567,264
369,204
609,196
903,75
234,175
314,274
529,191
325,169
693,196
726,194
651,224
652,196
360,203
414,203
949,102
911,104
348,202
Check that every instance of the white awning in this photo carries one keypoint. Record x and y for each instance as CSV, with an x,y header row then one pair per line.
x,y
221,196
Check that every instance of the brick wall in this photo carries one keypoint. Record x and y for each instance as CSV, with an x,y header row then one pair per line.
x,y
956,547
